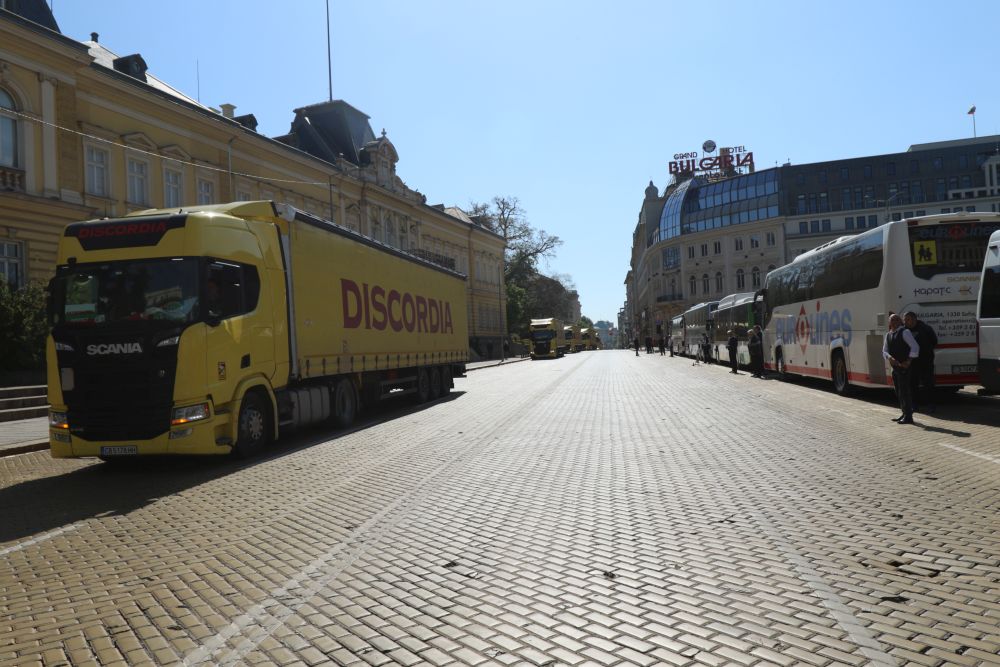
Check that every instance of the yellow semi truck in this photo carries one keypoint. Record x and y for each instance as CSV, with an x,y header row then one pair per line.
x,y
571,336
209,330
547,338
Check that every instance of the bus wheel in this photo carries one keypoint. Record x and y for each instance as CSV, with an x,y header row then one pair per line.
x,y
345,403
252,435
435,383
779,365
423,386
841,383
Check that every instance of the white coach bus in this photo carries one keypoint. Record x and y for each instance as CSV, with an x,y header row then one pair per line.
x,y
826,312
988,315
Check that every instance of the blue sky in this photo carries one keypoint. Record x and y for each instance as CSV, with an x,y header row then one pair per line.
x,y
574,106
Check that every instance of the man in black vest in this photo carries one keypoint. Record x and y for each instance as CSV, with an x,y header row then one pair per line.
x,y
901,349
732,345
922,372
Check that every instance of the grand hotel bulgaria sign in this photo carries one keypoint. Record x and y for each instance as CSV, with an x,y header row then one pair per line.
x,y
730,157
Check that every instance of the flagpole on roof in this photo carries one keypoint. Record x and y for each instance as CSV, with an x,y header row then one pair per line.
x,y
329,60
972,112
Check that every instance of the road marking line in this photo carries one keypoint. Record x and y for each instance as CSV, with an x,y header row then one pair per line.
x,y
37,540
840,612
985,457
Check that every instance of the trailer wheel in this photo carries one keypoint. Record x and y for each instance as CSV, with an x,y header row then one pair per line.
x,y
253,434
446,381
841,382
435,382
423,386
345,403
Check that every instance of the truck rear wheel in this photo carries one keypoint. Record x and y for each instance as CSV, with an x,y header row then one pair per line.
x,y
446,380
423,386
345,403
435,374
253,434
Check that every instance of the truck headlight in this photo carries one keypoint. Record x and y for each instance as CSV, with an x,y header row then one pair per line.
x,y
191,413
58,420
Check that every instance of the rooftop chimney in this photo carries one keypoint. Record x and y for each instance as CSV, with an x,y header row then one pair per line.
x,y
132,65
227,110
93,37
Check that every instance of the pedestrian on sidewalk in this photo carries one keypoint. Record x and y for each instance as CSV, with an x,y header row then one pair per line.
x,y
663,346
900,349
756,347
732,345
922,371
635,342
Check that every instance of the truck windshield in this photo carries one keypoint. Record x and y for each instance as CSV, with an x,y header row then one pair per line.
x,y
543,335
158,289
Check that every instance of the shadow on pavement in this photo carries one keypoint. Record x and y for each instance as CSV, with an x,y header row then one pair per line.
x,y
40,505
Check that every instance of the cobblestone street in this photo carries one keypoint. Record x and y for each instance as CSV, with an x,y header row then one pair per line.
x,y
599,509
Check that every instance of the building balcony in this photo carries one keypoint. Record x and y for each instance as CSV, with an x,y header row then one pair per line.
x,y
11,179
434,258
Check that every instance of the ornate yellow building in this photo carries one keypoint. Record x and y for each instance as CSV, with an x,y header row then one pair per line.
x,y
86,133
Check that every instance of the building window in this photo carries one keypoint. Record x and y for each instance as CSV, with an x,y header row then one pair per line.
x,y
705,285
11,263
8,132
914,166
704,250
822,176
97,171
206,191
755,240
738,243
693,282
845,199
770,239
173,188
755,277
845,174
803,227
718,282
741,279
717,247
824,203
963,161
872,221
848,223
800,204
937,163
138,181
690,252
825,224
867,171
890,168
814,226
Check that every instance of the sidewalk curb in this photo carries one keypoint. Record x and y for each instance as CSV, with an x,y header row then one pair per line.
x,y
24,448
500,363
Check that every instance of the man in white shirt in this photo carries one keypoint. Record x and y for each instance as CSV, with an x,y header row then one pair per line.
x,y
901,349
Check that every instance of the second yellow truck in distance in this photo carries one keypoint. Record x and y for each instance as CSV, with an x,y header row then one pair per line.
x,y
571,336
206,330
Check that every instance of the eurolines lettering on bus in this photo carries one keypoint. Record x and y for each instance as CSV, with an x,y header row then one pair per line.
x,y
816,327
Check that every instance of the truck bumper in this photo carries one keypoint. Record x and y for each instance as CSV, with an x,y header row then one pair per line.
x,y
204,438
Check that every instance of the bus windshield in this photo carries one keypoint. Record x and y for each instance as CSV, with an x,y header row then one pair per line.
x,y
94,294
958,247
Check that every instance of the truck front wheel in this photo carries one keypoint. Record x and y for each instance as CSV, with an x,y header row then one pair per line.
x,y
253,434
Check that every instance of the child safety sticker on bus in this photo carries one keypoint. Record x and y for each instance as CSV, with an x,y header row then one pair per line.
x,y
925,253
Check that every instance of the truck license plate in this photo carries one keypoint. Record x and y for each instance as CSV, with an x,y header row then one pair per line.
x,y
119,450
963,368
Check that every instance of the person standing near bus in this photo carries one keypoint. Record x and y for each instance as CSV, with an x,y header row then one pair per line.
x,y
733,345
756,347
901,349
635,342
922,372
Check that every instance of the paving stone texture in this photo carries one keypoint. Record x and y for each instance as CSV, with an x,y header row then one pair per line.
x,y
600,509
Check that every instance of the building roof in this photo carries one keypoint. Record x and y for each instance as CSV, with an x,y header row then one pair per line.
x,y
330,130
105,57
937,145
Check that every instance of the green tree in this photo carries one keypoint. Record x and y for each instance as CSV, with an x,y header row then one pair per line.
x,y
23,327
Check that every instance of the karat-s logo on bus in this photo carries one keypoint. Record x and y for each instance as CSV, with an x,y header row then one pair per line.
x,y
114,348
815,328
375,307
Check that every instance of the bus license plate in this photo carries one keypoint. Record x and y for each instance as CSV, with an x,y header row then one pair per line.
x,y
120,450
963,368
